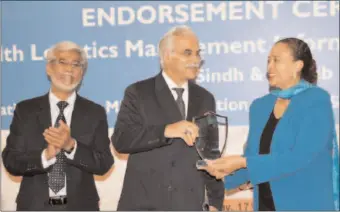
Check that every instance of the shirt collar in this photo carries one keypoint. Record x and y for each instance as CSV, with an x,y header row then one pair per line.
x,y
172,84
54,99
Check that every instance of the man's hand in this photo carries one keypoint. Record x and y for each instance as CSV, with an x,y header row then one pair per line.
x,y
182,129
212,208
245,186
224,166
51,151
59,137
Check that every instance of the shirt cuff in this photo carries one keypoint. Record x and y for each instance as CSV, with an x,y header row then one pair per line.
x,y
46,163
71,155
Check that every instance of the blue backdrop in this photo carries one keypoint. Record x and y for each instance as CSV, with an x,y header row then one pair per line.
x,y
121,41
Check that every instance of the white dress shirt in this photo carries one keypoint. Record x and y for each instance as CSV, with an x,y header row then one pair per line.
x,y
54,114
172,85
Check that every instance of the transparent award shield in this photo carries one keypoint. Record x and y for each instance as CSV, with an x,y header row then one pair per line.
x,y
212,137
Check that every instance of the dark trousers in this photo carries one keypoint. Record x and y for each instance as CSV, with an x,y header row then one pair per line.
x,y
49,207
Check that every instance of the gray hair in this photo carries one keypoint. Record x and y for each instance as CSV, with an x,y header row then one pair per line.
x,y
67,46
167,40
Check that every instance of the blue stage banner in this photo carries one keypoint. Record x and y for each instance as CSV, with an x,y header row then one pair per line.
x,y
121,41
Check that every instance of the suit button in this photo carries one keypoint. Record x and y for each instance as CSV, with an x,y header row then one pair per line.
x,y
173,163
169,188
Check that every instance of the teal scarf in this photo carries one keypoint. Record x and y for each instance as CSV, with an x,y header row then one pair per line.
x,y
289,93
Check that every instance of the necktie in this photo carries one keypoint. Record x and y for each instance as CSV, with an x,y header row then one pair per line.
x,y
179,101
56,177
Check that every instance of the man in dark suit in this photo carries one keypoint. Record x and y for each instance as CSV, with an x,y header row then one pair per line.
x,y
58,141
154,127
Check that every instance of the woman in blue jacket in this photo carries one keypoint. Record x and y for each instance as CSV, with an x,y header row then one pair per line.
x,y
291,158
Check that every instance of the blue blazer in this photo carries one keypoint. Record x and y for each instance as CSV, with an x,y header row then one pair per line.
x,y
299,166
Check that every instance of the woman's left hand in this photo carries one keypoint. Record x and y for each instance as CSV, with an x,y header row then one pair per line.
x,y
222,167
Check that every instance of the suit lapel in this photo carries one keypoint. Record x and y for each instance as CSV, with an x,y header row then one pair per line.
x,y
269,109
44,114
260,121
194,102
79,116
166,100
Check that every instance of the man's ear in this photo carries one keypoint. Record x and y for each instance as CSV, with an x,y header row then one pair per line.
x,y
167,56
49,69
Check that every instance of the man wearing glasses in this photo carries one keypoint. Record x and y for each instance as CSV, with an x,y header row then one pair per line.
x,y
58,141
154,126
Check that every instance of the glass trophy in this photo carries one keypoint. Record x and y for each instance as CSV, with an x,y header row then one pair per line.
x,y
212,137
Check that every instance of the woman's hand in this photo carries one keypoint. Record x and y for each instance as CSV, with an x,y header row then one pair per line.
x,y
222,167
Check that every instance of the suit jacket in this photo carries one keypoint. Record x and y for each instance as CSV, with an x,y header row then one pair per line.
x,y
25,143
161,173
299,166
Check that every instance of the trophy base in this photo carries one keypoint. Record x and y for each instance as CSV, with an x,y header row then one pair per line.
x,y
201,163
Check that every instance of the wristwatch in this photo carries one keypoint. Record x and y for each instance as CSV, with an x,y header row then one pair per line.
x,y
69,152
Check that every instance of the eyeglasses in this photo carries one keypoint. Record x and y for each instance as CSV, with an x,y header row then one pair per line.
x,y
64,64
